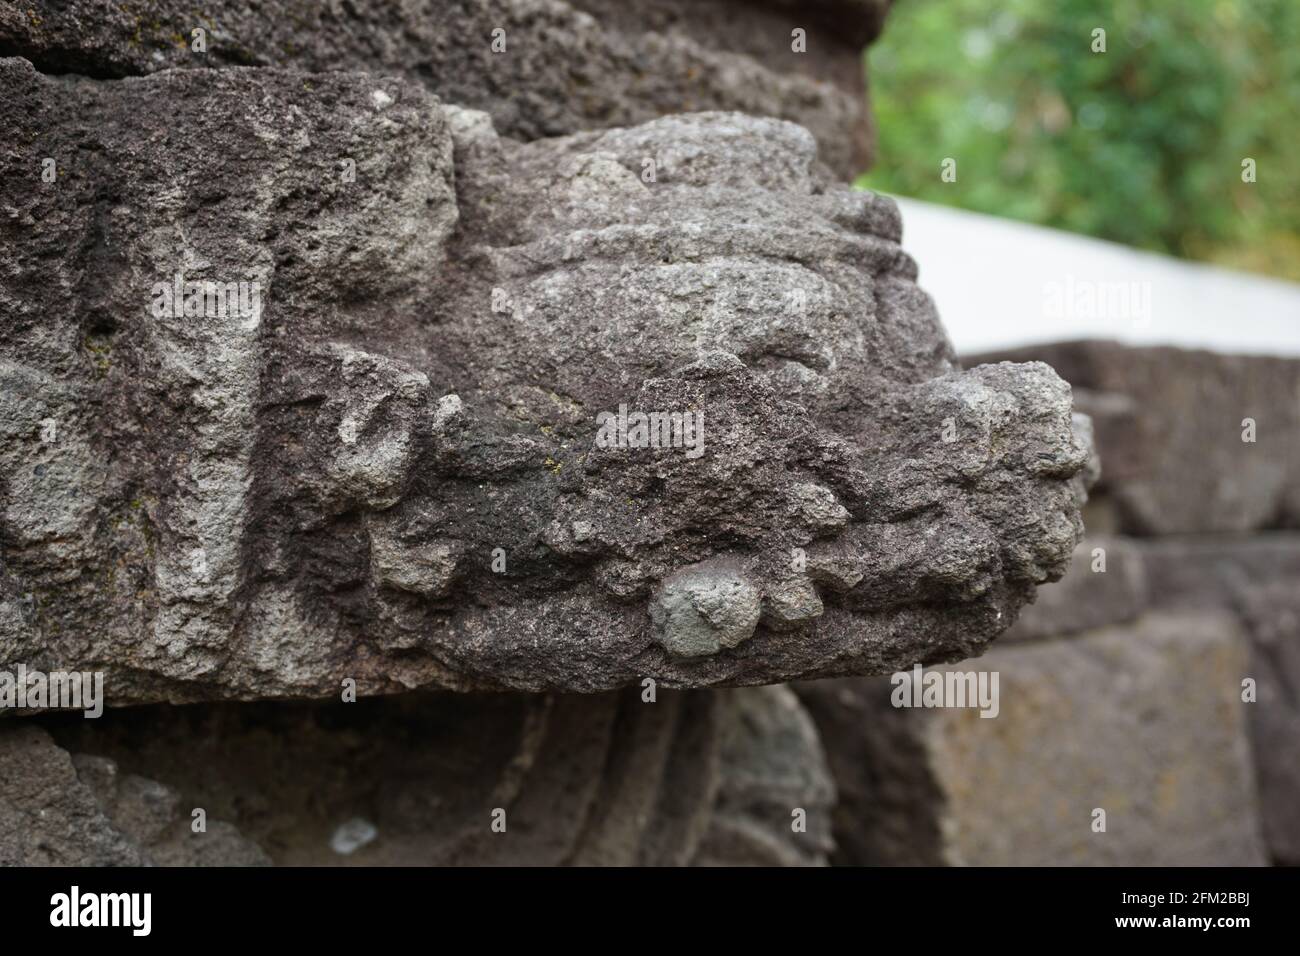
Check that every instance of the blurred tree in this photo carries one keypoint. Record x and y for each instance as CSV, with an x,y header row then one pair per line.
x,y
1142,144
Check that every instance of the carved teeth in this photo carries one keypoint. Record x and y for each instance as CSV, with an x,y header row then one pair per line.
x,y
791,602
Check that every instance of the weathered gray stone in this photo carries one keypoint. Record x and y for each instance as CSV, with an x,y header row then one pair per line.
x,y
1257,578
49,817
1170,425
558,67
612,779
890,806
1106,585
1252,577
1144,721
393,467
776,794
394,473
1211,571
1271,613
703,609
57,809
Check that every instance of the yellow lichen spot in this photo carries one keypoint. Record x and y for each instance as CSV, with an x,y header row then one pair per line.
x,y
100,353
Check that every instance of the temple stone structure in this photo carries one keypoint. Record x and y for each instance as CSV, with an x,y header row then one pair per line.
x,y
350,387
494,432
1157,680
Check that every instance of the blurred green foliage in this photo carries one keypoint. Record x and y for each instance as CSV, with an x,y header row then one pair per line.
x,y
1142,144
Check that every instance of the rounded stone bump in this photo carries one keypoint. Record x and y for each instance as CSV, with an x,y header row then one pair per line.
x,y
703,608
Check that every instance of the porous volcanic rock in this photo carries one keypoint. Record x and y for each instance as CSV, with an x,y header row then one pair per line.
x,y
540,67
1194,442
59,809
392,467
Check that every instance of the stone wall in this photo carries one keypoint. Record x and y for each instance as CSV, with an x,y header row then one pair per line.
x,y
1157,680
372,571
465,230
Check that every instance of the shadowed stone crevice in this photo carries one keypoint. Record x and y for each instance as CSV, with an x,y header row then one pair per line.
x,y
609,779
